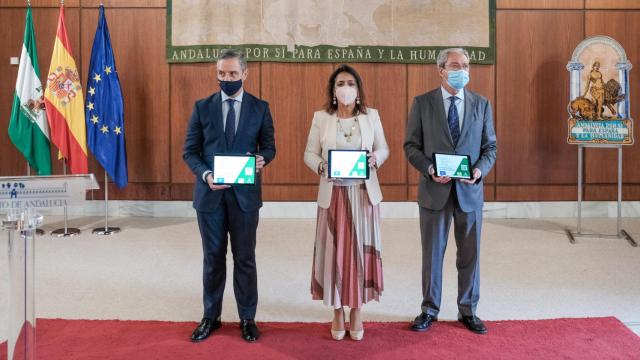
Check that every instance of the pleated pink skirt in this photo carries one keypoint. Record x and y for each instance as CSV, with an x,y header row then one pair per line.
x,y
347,266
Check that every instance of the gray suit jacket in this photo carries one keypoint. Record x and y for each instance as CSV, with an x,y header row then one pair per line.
x,y
428,132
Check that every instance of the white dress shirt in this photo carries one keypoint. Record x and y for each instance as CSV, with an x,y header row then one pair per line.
x,y
237,105
459,104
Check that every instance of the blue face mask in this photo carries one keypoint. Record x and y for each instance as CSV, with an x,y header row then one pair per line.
x,y
230,87
458,79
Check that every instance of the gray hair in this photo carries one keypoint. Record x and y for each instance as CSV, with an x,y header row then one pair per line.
x,y
234,54
443,55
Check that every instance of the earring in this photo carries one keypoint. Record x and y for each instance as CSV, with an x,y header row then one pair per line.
x,y
358,100
334,100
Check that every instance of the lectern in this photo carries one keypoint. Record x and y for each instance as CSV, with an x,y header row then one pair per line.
x,y
20,200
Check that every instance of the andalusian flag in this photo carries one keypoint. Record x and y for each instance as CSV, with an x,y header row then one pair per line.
x,y
28,128
65,103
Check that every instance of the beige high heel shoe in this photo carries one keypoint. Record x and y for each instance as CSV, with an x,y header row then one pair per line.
x,y
356,335
338,334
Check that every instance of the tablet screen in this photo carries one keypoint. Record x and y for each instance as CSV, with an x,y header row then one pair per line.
x,y
452,165
348,164
234,169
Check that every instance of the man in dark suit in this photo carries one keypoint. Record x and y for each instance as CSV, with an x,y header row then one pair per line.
x,y
451,119
234,122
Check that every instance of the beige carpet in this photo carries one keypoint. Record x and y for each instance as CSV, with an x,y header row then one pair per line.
x,y
152,270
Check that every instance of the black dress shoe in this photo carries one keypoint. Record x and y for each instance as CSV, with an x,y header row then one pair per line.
x,y
204,329
250,330
473,323
423,322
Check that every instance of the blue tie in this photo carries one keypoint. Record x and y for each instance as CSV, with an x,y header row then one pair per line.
x,y
453,120
230,126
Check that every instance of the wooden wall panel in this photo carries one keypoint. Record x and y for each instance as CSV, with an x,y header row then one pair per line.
x,y
300,192
420,79
12,27
536,192
133,191
540,4
87,3
489,193
125,4
181,191
527,88
308,192
612,4
294,93
483,78
394,192
602,192
189,83
601,164
385,86
144,77
532,88
39,3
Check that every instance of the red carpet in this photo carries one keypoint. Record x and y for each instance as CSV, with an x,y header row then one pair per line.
x,y
592,338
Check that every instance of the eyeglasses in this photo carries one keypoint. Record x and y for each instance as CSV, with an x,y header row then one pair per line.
x,y
456,66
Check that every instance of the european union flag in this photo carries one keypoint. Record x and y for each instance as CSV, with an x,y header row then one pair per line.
x,y
104,107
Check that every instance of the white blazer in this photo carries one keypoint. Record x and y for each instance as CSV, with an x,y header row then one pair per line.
x,y
322,138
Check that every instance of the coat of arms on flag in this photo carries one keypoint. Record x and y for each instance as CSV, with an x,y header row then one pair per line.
x,y
34,106
64,83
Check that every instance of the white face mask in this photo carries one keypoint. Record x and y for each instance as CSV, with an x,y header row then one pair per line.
x,y
346,95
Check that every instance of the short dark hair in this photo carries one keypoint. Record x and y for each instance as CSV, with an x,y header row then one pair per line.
x,y
234,54
329,106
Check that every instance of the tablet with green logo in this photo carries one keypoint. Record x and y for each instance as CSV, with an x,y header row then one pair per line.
x,y
452,165
348,164
234,169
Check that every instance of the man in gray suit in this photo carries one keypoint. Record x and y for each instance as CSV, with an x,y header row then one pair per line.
x,y
451,119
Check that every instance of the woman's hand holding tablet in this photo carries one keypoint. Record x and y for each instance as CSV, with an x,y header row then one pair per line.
x,y
348,164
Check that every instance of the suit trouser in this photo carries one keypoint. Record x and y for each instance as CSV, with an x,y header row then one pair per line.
x,y
241,226
434,229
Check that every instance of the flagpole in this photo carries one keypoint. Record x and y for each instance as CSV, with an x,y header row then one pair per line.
x,y
106,230
66,231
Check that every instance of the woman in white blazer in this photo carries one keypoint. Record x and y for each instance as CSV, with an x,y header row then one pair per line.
x,y
347,265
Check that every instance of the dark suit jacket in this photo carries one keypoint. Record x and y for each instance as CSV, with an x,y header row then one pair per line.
x,y
428,132
205,137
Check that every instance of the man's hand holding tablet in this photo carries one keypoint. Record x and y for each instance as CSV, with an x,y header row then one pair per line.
x,y
259,162
234,170
453,166
213,186
476,175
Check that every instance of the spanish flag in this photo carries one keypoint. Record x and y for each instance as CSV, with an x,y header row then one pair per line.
x,y
65,103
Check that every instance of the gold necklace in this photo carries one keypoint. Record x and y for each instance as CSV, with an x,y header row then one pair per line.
x,y
353,127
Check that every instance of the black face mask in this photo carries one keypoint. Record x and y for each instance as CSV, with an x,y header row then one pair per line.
x,y
230,87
